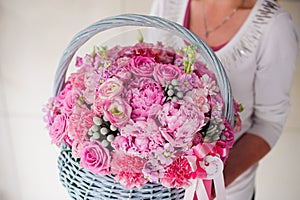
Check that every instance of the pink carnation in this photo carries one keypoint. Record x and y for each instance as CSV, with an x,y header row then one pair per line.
x,y
128,170
80,122
77,79
95,157
177,174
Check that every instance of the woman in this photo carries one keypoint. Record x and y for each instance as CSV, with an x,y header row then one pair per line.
x,y
258,45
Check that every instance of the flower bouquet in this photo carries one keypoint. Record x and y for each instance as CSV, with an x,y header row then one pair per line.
x,y
141,114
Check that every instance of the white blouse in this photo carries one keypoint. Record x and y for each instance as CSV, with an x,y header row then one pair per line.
x,y
260,62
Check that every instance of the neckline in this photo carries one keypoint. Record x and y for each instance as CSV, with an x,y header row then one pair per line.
x,y
239,34
236,36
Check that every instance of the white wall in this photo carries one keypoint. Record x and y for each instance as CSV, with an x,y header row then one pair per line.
x,y
33,35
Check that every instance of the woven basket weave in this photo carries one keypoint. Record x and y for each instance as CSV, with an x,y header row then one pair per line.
x,y
85,185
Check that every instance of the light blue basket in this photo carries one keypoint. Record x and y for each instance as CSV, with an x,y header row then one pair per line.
x,y
84,185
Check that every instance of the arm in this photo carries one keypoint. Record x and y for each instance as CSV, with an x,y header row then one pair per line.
x,y
247,151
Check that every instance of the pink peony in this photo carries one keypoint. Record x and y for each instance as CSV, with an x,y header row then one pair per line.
x,y
139,138
58,129
117,111
166,73
143,93
142,66
95,157
180,122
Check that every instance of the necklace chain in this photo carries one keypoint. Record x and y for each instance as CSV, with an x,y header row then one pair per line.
x,y
227,18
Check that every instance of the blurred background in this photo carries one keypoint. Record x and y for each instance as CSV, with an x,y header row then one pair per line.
x,y
33,35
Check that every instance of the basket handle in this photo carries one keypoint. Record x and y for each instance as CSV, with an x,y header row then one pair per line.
x,y
146,21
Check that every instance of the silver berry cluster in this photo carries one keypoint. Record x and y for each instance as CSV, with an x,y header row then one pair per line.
x,y
103,131
214,130
173,91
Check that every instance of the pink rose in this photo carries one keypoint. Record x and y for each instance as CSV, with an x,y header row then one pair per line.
x,y
117,111
69,102
143,93
166,73
58,129
110,88
95,157
62,95
142,66
124,75
76,148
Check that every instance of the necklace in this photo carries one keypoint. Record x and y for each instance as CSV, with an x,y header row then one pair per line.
x,y
227,18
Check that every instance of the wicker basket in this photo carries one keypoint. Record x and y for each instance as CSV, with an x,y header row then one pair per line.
x,y
82,184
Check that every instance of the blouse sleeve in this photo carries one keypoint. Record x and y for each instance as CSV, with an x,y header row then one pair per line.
x,y
276,63
157,8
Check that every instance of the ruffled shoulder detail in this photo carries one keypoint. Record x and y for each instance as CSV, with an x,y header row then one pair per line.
x,y
250,34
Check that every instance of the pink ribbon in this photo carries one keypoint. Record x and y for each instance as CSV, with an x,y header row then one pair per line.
x,y
213,166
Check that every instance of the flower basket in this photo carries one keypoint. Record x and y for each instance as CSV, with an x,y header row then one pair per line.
x,y
142,121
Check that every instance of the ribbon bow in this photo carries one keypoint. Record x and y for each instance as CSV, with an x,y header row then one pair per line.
x,y
213,166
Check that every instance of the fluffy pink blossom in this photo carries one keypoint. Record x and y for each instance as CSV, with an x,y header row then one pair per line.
x,y
143,93
209,85
198,97
95,157
58,129
153,171
166,73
